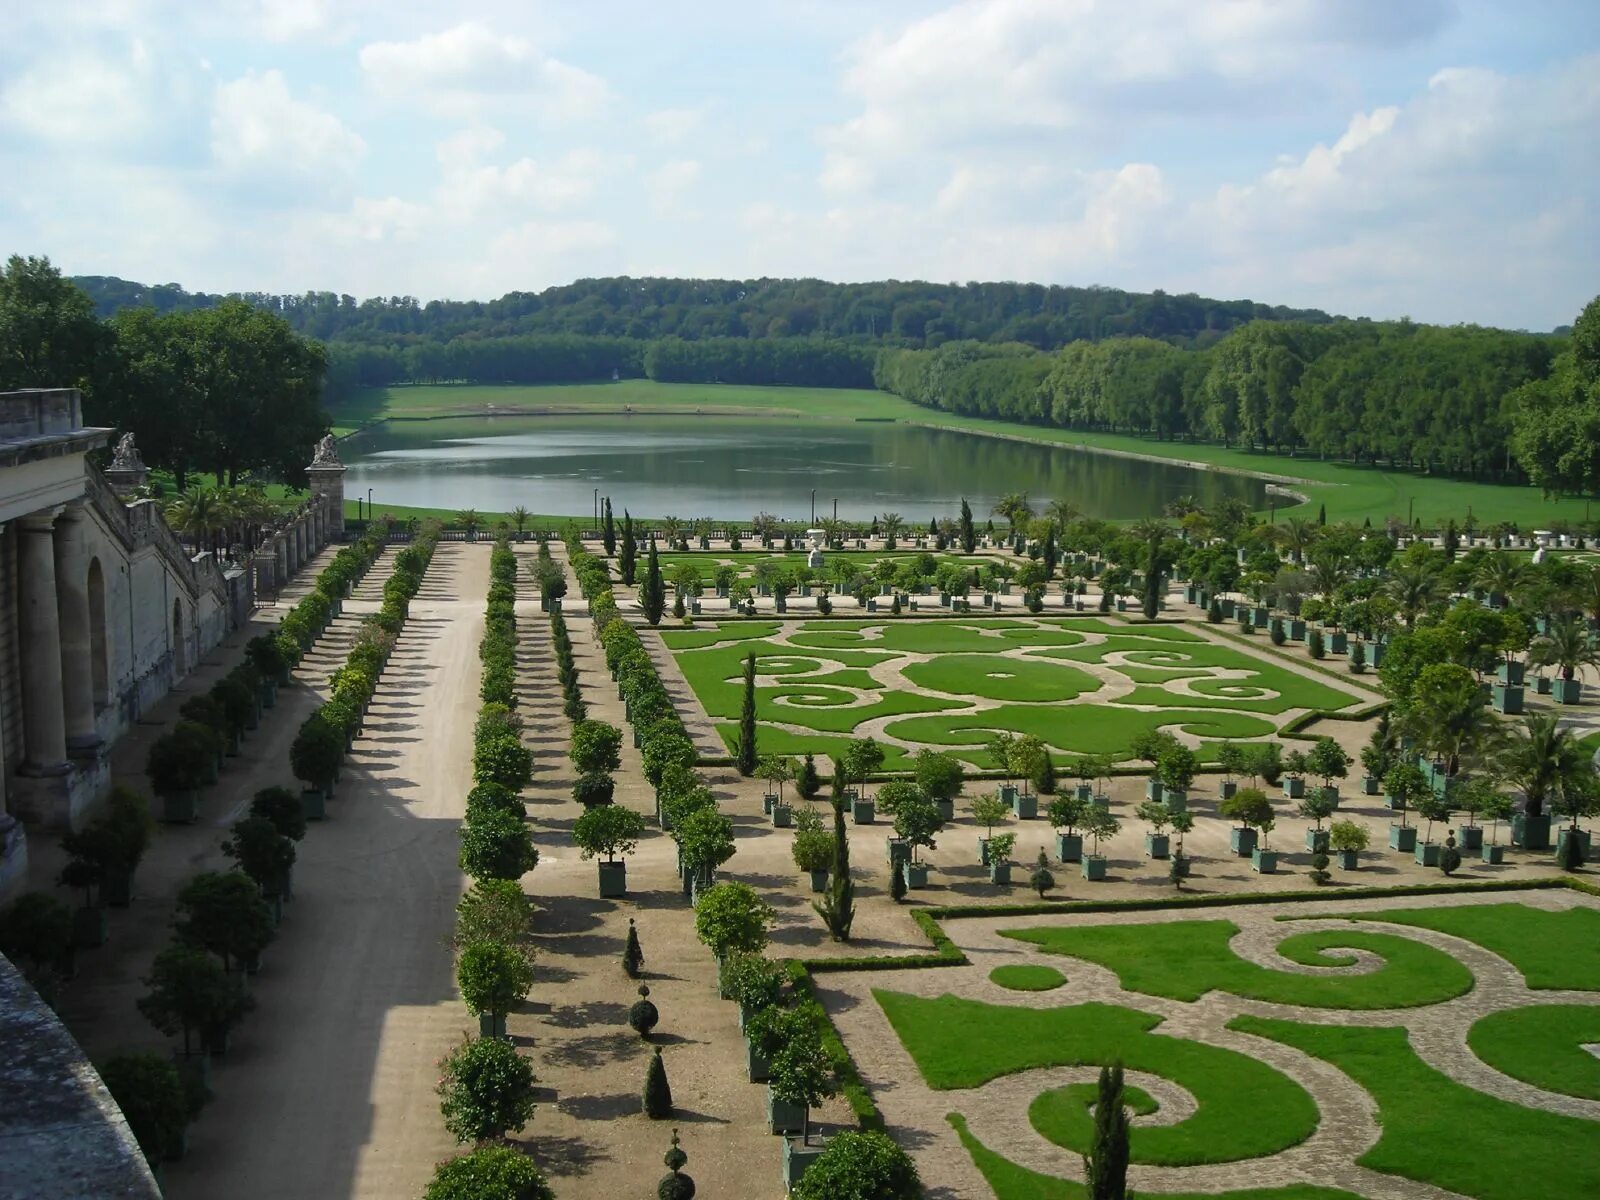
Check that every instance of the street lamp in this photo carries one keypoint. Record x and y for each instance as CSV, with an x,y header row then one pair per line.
x,y
813,506
597,506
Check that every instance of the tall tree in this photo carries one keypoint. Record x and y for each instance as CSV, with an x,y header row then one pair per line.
x,y
1105,1167
608,529
968,535
653,593
838,907
49,337
747,755
628,560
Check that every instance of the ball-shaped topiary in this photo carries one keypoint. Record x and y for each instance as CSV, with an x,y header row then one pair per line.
x,y
489,1173
486,1089
676,1185
643,1016
657,1091
860,1166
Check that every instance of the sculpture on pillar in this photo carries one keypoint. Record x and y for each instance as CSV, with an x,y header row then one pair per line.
x,y
326,476
326,453
125,455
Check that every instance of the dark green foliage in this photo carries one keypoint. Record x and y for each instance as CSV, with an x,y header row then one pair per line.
x,y
653,593
262,853
190,992
1041,880
489,1173
493,910
643,1016
657,1100
1105,1167
628,560
1214,612
498,845
806,781
109,846
493,977
1570,857
150,1093
897,885
1315,645
1044,779
838,908
632,955
493,797
283,808
608,528
860,1165
967,534
1319,868
223,912
486,1089
36,934
593,788
676,1185
1276,632
1450,857
745,757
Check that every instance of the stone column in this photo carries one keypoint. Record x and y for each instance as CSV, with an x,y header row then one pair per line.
x,y
280,556
72,595
43,717
326,476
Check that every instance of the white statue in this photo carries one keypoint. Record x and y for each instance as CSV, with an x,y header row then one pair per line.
x,y
125,455
327,453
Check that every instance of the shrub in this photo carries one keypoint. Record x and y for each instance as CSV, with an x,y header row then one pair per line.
x,y
149,1091
593,789
502,759
190,991
317,751
751,981
939,775
731,918
487,798
497,846
632,953
35,931
181,761
657,1091
610,829
489,1173
813,849
863,1165
596,747
494,910
1276,632
493,977
806,780
1319,869
262,853
485,1090
1214,612
705,839
1315,644
1348,835
283,809
223,912
643,1016
111,845
1570,857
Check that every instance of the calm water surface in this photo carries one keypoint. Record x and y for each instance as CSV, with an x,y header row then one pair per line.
x,y
731,469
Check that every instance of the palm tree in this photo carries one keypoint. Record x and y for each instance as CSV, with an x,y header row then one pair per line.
x,y
1149,529
1450,720
1328,571
1062,512
671,529
892,524
469,519
1298,535
832,529
197,515
1543,763
1587,592
1566,646
520,516
1014,507
1181,506
1413,588
764,523
1499,575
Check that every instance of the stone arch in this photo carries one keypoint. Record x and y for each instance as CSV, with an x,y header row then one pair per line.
x,y
99,652
180,663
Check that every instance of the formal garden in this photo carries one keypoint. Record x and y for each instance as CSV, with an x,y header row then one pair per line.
x,y
1278,1050
1083,685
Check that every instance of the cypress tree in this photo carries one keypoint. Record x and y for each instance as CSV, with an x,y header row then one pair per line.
x,y
653,594
1105,1168
747,720
1051,554
969,535
1152,578
1322,514
657,1091
628,561
838,908
608,529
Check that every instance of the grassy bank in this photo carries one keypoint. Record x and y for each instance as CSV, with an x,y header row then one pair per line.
x,y
1350,493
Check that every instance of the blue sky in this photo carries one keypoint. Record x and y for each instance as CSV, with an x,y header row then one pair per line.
x,y
1438,159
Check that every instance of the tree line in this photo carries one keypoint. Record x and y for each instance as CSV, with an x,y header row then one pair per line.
x,y
1465,400
231,390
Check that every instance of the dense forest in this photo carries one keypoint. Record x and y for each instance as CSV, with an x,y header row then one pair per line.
x,y
1403,394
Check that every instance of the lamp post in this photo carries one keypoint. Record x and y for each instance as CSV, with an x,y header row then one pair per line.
x,y
369,504
597,508
813,506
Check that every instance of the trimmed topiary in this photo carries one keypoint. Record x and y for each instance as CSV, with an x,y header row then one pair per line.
x,y
643,1016
632,954
489,1173
860,1165
593,789
677,1185
657,1091
485,1089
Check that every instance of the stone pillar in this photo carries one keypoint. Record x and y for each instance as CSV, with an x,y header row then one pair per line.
x,y
43,717
280,556
326,476
72,595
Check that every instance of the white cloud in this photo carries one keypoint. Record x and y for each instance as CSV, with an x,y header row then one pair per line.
x,y
261,134
469,68
670,186
285,20
669,126
471,187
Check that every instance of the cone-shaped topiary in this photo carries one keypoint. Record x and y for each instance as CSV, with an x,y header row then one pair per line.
x,y
643,1016
657,1091
677,1185
632,955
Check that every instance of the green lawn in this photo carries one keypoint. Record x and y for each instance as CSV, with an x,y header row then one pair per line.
x,y
1543,1044
1436,1131
1027,977
1078,728
1000,678
1244,1108
1011,1182
1183,960
710,635
1553,950
933,637
1350,493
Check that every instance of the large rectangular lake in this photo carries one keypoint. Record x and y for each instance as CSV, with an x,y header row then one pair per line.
x,y
711,466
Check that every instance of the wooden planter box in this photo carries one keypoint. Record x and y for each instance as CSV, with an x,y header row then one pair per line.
x,y
491,1025
819,881
613,879
756,1064
1069,847
1157,845
180,808
1317,841
1152,790
1469,837
1000,872
1530,833
1294,787
1493,855
1403,838
1507,698
1567,691
313,804
1093,867
1264,862
1025,806
1349,859
797,1158
916,874
783,1117
1243,841
863,812
1176,802
1426,854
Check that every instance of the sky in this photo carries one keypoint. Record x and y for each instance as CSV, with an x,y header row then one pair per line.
x,y
1437,159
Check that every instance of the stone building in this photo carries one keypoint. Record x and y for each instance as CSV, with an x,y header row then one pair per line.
x,y
102,608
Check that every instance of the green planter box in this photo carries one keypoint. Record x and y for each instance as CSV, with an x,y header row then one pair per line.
x,y
1176,802
1568,833
1243,841
116,889
1084,791
756,1064
916,874
1507,699
1317,841
1069,847
1294,787
180,808
819,881
783,1117
1008,794
89,927
1338,643
1470,837
863,812
313,804
1230,788
1530,833
1371,785
797,1158
1152,790
1567,691
1093,867
896,852
1025,806
1426,854
767,802
1157,845
946,809
983,852
1264,862
1403,838
782,816
491,1025
1512,673
1349,860
999,872
1541,685
613,878
1493,855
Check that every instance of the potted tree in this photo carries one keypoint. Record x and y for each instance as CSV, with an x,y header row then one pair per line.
x,y
150,1092
988,811
1497,807
36,933
802,1078
1378,757
1148,745
1294,781
1156,843
1182,823
1566,646
768,1031
1026,758
1431,806
265,855
1234,761
1176,768
731,918
941,777
1317,808
1099,826
192,993
916,821
1329,762
486,1090
498,845
813,848
613,830
223,912
178,765
314,757
999,851
1248,806
753,982
103,857
1472,798
857,1165
494,978
777,770
1403,788
1347,839
1068,813
705,842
